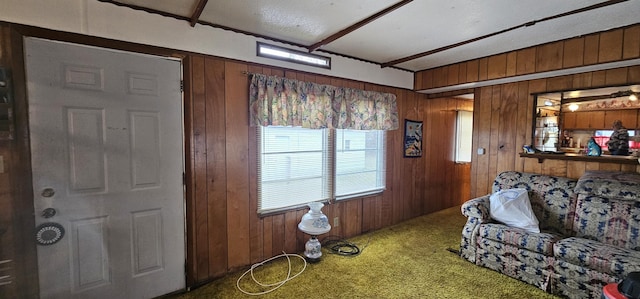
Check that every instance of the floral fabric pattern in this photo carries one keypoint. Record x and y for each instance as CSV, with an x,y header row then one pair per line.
x,y
277,101
597,256
610,221
540,243
552,198
590,232
528,266
610,184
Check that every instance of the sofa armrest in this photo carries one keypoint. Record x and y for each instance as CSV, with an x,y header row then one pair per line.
x,y
477,208
477,212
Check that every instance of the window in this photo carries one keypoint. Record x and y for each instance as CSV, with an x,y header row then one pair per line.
x,y
298,166
359,162
464,129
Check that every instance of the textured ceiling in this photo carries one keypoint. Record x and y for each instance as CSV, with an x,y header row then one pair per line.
x,y
412,28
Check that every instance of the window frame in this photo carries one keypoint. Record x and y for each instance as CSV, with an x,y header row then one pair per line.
x,y
331,179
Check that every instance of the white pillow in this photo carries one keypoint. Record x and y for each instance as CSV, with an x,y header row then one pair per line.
x,y
513,208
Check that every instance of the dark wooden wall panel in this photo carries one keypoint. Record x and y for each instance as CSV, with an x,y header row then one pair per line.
x,y
17,246
495,125
631,47
607,46
216,168
228,234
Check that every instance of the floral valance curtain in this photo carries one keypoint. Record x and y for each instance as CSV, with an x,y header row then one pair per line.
x,y
277,101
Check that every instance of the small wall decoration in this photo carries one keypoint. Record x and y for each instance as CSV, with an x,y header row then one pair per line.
x,y
412,138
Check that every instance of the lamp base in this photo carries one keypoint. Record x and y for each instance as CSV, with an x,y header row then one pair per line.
x,y
313,250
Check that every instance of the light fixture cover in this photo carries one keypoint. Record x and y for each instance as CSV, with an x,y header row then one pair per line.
x,y
573,107
314,222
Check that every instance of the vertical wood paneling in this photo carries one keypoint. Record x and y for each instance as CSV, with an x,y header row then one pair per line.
x,y
483,69
560,83
216,164
602,47
16,219
190,202
610,46
199,162
512,64
481,134
549,57
473,69
224,231
524,116
573,54
616,76
526,61
250,237
591,49
237,148
497,66
633,73
507,128
453,74
462,73
598,78
631,46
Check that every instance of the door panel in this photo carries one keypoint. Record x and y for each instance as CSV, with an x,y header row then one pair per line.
x,y
106,145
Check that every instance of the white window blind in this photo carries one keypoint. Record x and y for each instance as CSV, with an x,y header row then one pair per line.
x,y
464,131
294,167
360,167
297,166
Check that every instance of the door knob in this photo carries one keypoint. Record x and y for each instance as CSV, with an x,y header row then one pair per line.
x,y
48,212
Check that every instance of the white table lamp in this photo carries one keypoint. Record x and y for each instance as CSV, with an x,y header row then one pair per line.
x,y
314,223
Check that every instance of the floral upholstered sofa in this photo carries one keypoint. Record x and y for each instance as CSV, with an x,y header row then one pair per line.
x,y
589,230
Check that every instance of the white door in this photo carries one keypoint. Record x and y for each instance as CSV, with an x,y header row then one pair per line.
x,y
107,161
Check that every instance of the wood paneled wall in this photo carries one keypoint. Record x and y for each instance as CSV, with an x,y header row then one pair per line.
x,y
17,223
225,232
503,117
503,114
613,45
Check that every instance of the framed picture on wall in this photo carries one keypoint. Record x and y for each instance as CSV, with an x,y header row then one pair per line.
x,y
412,138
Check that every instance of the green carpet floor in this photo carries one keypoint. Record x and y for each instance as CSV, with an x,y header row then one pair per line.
x,y
408,260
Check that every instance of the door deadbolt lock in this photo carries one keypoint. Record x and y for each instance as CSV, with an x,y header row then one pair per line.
x,y
48,192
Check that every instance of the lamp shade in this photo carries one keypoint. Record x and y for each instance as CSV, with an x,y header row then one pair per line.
x,y
314,222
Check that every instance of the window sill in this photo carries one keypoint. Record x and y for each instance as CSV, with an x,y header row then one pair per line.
x,y
577,157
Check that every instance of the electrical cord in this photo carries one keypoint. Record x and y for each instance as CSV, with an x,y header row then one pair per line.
x,y
340,246
276,285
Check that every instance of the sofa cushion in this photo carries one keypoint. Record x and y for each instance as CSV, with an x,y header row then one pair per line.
x,y
536,242
552,198
611,221
597,256
610,184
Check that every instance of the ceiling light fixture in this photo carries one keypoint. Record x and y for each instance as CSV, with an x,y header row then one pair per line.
x,y
285,54
573,107
633,97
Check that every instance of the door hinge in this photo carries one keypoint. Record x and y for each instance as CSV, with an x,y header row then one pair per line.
x,y
181,85
184,179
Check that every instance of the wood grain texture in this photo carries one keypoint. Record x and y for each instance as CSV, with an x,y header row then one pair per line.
x,y
602,47
573,54
199,170
214,72
236,87
631,45
549,56
611,43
